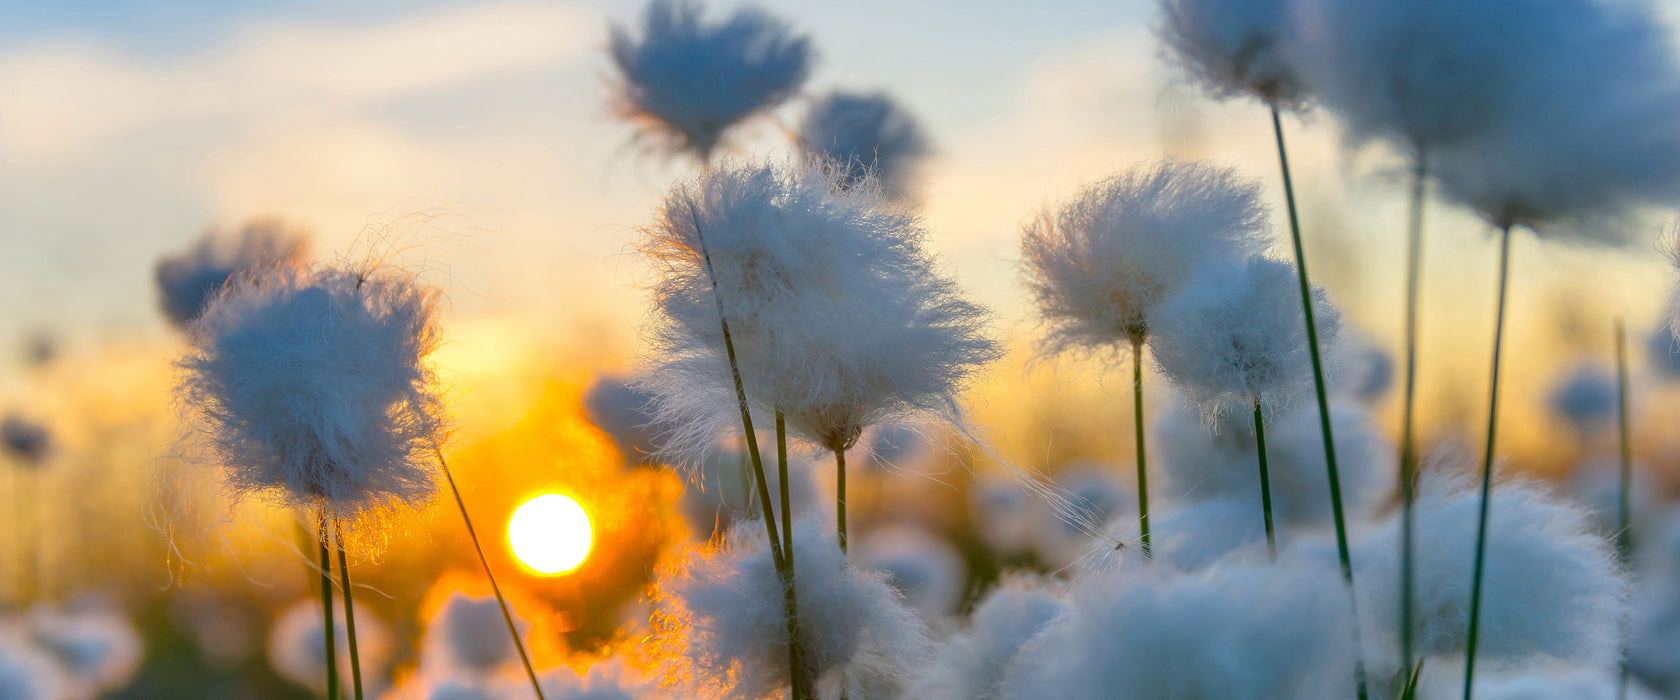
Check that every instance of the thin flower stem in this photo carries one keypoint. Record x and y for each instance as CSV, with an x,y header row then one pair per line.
x,y
800,681
1323,400
349,612
328,628
1265,481
507,615
840,497
1142,461
1624,510
1408,441
790,600
1487,466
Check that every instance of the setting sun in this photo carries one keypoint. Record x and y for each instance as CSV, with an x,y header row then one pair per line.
x,y
550,533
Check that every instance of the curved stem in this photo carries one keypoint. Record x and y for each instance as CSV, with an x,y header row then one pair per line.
x,y
840,496
1487,467
1624,510
1408,442
1142,461
349,612
507,615
1265,481
1323,400
328,628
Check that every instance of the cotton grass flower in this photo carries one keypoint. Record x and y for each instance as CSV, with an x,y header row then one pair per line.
x,y
719,622
971,664
468,634
189,280
28,443
1233,338
1552,585
621,411
1561,684
1237,47
297,645
608,679
864,135
685,82
98,648
315,387
920,565
1586,396
28,672
1228,632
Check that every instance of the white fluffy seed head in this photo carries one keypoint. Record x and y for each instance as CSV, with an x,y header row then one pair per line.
x,y
864,135
1236,47
469,634
190,279
298,650
1240,631
685,82
27,442
621,411
99,649
28,672
1585,683
838,317
315,389
1586,396
971,664
1235,336
608,679
1551,588
720,628
1101,265
920,565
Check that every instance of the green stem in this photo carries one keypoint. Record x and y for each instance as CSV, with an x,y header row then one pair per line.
x,y
1265,481
349,612
1323,400
790,600
1487,466
507,615
1142,461
1408,442
1624,510
840,496
328,629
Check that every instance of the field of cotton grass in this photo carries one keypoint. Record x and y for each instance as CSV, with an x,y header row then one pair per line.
x,y
825,469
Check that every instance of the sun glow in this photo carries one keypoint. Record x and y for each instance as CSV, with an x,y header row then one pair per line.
x,y
550,534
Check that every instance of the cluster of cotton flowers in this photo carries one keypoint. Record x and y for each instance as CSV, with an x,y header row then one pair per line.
x,y
686,82
719,622
920,565
865,135
1237,47
77,651
297,646
971,663
839,318
315,387
189,280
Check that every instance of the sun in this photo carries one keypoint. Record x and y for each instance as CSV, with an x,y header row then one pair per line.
x,y
550,534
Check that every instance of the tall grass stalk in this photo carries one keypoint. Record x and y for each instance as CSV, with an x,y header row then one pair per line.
x,y
780,555
349,612
1624,511
1487,465
1323,400
1142,462
1265,481
1408,441
328,629
507,615
840,496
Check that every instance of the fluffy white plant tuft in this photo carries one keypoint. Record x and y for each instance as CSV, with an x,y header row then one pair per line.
x,y
608,679
1252,631
1559,684
28,672
1551,589
1101,265
864,135
719,623
840,319
971,664
685,82
615,406
297,649
1237,47
98,648
315,387
1235,336
922,566
189,280
469,634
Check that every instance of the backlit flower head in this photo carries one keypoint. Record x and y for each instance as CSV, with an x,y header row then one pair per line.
x,y
1101,265
623,413
315,388
1236,47
863,135
298,650
188,280
685,82
99,648
971,664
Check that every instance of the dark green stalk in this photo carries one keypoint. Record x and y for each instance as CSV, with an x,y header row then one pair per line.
x,y
1624,511
349,612
328,629
1265,481
790,601
1142,462
1408,442
1487,466
840,496
1323,400
507,616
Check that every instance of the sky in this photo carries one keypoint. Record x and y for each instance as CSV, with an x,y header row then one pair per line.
x,y
479,136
